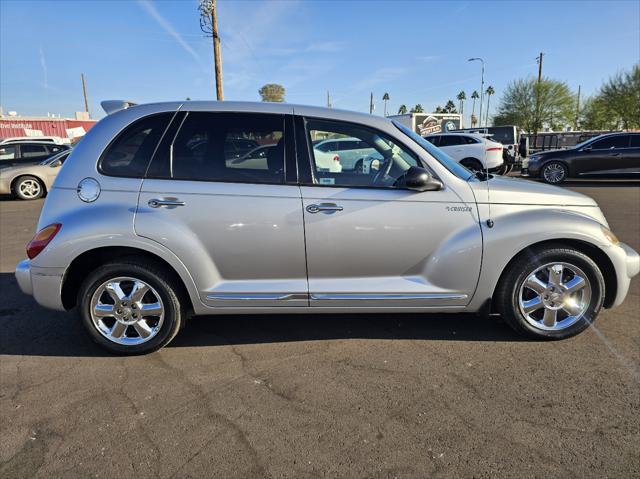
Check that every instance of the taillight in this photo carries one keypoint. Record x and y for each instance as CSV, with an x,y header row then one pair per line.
x,y
498,148
42,239
336,158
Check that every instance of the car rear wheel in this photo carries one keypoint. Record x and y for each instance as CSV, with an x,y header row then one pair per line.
x,y
472,164
554,172
552,294
130,307
28,188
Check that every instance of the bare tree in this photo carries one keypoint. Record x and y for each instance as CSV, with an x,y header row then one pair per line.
x,y
209,25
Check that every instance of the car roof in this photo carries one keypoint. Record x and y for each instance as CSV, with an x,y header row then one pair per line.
x,y
45,143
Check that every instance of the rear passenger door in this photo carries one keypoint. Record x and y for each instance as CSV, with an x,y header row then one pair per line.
x,y
236,223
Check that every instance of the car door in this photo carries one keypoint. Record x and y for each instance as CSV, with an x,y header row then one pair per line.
x,y
33,153
453,146
632,157
603,157
372,245
237,226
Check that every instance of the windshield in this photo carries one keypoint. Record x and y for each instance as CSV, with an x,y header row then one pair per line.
x,y
449,163
58,156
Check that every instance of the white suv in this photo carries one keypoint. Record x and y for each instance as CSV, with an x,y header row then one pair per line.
x,y
474,152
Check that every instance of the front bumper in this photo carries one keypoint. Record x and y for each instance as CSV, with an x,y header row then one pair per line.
x,y
44,284
627,265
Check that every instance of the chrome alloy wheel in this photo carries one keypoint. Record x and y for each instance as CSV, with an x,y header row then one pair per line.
x,y
553,173
30,188
127,311
555,296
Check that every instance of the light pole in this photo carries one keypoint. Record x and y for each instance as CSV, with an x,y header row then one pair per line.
x,y
481,87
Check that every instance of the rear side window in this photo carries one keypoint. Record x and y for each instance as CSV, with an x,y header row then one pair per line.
x,y
7,152
229,147
129,154
635,141
34,151
469,140
452,140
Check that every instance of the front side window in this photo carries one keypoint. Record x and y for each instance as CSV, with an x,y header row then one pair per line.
x,y
7,152
34,151
383,160
635,141
451,140
611,142
130,153
229,147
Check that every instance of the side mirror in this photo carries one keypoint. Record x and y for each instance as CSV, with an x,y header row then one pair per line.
x,y
419,179
55,164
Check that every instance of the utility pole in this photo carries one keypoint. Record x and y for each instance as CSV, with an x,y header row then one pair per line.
x,y
371,104
84,93
328,100
209,25
537,122
477,59
575,125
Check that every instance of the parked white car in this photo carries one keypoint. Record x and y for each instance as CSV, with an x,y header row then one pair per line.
x,y
330,162
474,152
48,139
352,151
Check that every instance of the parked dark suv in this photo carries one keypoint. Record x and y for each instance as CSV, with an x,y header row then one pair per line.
x,y
614,155
26,152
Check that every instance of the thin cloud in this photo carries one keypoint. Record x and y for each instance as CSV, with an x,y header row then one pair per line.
x,y
45,76
148,7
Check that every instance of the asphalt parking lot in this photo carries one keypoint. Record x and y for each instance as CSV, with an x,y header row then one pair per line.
x,y
320,396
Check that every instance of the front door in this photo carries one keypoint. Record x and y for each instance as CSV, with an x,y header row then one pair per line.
x,y
605,157
370,244
229,217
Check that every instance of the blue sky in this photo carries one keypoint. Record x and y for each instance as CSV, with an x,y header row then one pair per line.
x,y
417,50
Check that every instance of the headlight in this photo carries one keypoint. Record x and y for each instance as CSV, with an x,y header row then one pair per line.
x,y
613,239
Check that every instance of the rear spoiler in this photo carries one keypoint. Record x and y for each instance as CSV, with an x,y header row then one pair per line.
x,y
112,106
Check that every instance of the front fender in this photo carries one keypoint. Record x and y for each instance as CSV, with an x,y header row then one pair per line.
x,y
517,227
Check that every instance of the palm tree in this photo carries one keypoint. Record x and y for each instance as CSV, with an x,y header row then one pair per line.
x,y
474,97
462,96
450,107
490,91
385,99
417,109
402,110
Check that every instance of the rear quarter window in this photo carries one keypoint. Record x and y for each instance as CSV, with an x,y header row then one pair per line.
x,y
129,154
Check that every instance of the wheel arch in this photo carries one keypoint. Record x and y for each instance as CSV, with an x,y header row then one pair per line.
x,y
562,161
593,252
93,258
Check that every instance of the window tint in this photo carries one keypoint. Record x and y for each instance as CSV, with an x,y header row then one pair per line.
x,y
470,140
381,166
434,140
7,152
618,141
451,140
635,141
245,148
130,153
54,149
33,151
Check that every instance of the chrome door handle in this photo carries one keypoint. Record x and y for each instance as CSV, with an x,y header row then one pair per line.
x,y
166,202
327,207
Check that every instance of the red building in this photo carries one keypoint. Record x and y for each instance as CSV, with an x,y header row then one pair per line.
x,y
30,126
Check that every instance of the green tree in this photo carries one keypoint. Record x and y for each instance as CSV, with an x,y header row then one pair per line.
x,y
462,96
474,97
439,109
402,110
490,91
417,109
616,105
272,92
385,98
518,105
450,107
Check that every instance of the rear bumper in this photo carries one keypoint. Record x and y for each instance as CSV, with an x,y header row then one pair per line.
x,y
44,284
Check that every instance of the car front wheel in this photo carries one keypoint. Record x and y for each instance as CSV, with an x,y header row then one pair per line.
x,y
552,294
130,307
554,172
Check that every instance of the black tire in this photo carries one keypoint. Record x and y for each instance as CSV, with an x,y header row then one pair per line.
x,y
28,187
554,172
160,280
472,164
508,291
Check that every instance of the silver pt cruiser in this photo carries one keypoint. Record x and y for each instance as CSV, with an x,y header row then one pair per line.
x,y
172,209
